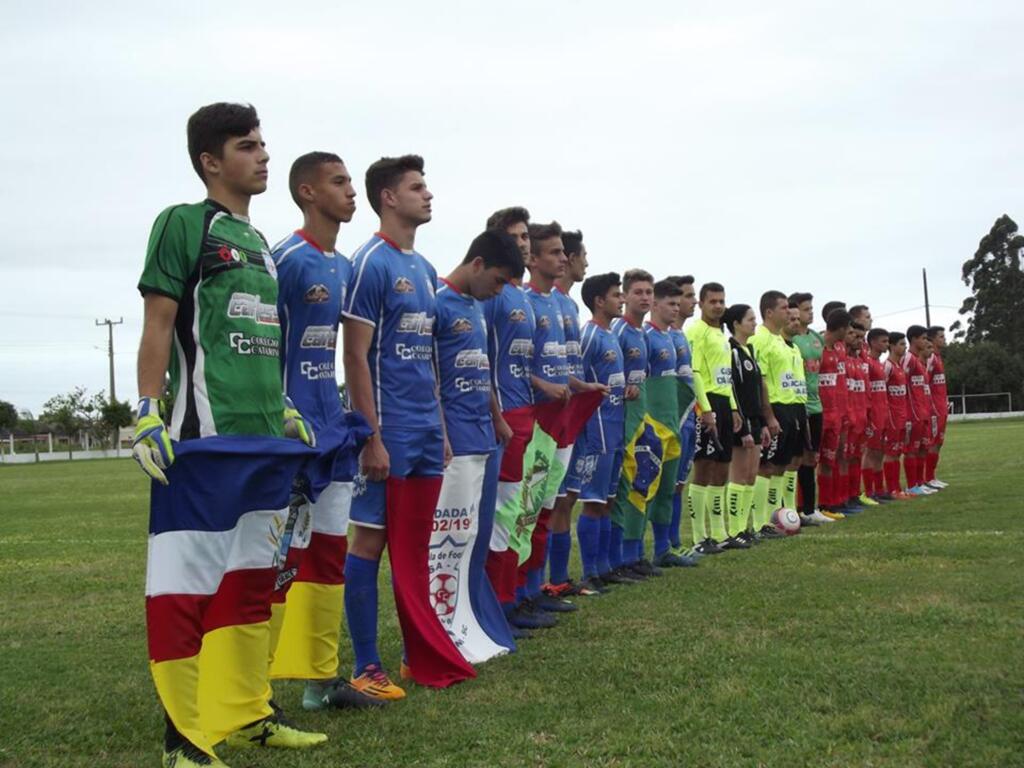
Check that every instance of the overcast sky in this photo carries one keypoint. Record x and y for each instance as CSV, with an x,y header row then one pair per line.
x,y
830,147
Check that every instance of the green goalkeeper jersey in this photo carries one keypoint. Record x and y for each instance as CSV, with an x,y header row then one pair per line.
x,y
224,366
711,358
777,366
811,345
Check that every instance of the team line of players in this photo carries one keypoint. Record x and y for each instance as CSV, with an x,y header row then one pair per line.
x,y
453,366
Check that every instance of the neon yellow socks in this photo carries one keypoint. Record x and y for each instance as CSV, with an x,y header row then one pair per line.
x,y
760,502
738,498
716,507
695,499
789,489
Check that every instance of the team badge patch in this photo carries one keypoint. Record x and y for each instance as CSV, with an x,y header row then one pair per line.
x,y
316,294
543,322
461,325
633,353
517,316
404,285
610,356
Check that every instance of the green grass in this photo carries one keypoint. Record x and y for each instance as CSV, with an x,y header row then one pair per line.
x,y
894,638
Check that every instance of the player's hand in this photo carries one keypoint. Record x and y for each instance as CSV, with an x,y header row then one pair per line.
x,y
748,441
595,386
448,455
374,461
737,421
555,391
502,430
773,427
708,421
766,437
632,392
152,447
295,426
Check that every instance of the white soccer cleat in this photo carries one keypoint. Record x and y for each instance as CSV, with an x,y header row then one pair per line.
x,y
937,484
819,517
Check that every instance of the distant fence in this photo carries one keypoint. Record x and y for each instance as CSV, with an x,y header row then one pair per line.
x,y
47,447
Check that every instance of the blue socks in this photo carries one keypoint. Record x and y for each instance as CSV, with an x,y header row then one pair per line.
x,y
661,543
361,609
559,548
588,531
630,551
520,595
677,517
604,544
615,546
534,581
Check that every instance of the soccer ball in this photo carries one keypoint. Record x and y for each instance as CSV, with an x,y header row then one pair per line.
x,y
443,594
786,520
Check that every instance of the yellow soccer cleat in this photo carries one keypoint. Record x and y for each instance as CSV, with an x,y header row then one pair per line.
x,y
375,682
275,731
833,515
188,756
867,501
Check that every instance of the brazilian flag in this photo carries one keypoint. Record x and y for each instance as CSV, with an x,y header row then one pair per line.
x,y
652,453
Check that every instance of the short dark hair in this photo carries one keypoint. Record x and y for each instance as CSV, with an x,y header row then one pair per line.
x,y
857,325
769,299
935,330
665,288
304,168
798,298
877,333
711,288
733,315
631,276
497,249
211,126
896,337
539,232
830,307
681,280
386,173
837,320
597,286
506,217
916,331
572,241
858,309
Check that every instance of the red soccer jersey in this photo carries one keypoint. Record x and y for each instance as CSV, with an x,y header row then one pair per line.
x,y
920,395
878,396
899,397
832,381
857,387
937,382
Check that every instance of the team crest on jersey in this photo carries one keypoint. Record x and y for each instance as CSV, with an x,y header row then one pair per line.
x,y
404,285
517,316
461,325
663,354
633,353
748,366
543,321
610,356
316,294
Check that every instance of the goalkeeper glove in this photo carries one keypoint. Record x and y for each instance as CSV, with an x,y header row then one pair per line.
x,y
295,426
152,445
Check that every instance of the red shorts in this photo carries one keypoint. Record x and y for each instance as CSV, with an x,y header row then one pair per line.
x,y
855,438
833,433
875,438
920,436
940,432
896,439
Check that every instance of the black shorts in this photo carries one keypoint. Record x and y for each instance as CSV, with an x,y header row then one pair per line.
x,y
792,437
751,426
711,446
814,432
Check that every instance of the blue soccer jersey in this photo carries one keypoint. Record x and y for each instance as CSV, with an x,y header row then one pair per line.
x,y
312,284
393,291
510,329
661,351
549,361
684,358
634,350
571,324
602,363
461,338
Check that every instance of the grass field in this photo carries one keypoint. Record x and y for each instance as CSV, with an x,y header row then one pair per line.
x,y
893,638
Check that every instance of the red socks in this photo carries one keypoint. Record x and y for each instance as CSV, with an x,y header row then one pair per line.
x,y
892,474
854,481
931,461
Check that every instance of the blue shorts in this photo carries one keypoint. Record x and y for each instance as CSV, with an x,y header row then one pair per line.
x,y
581,467
414,453
603,483
688,440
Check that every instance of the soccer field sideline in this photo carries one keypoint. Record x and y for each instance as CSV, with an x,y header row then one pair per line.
x,y
889,639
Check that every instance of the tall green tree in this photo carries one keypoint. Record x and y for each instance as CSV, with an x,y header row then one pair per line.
x,y
995,275
8,416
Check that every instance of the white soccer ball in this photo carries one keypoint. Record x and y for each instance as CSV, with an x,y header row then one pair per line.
x,y
786,520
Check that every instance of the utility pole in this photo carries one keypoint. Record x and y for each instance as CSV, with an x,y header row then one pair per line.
x,y
927,306
110,350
